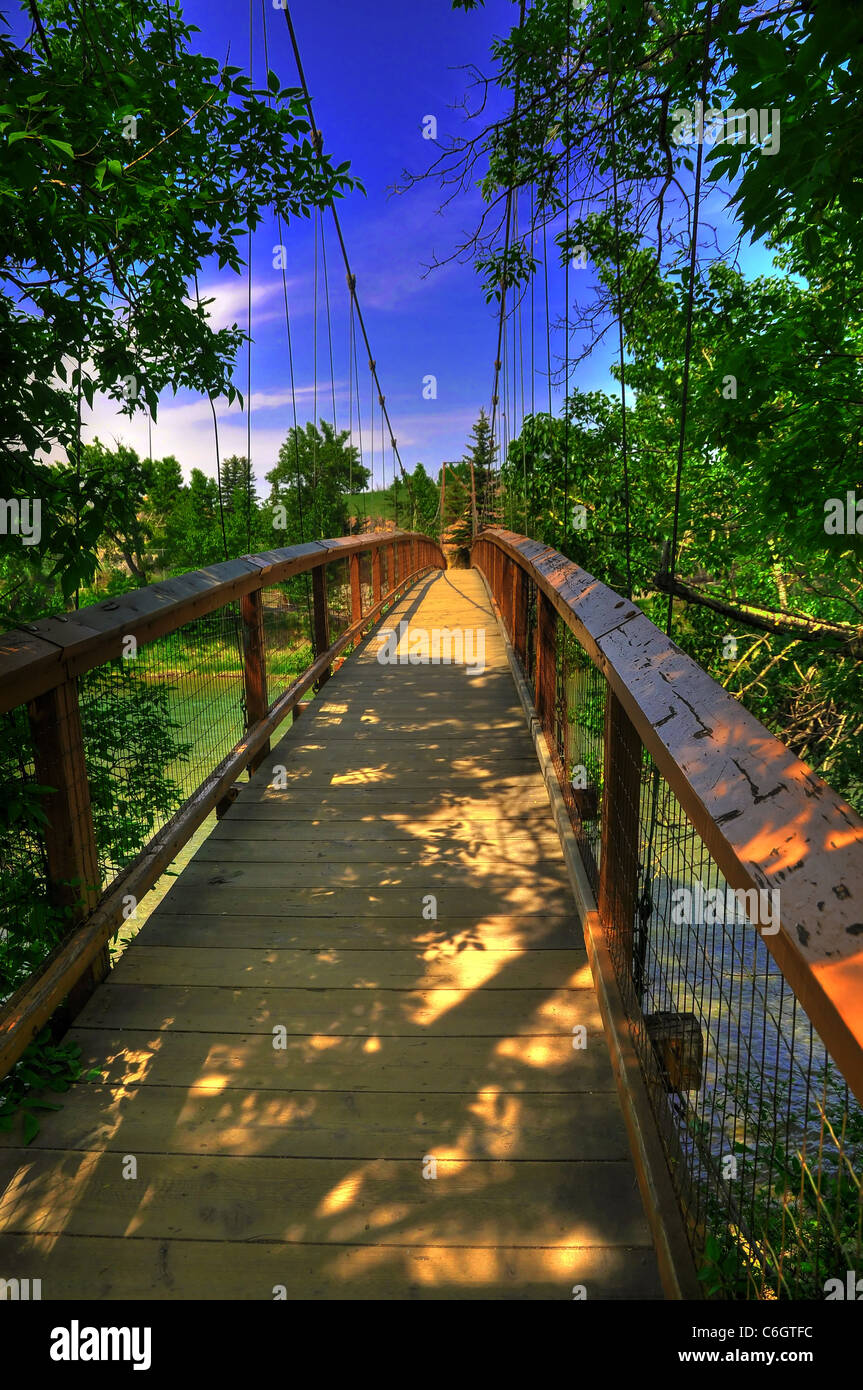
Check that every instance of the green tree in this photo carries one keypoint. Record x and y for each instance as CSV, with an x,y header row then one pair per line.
x,y
480,462
113,483
414,501
197,534
316,472
130,163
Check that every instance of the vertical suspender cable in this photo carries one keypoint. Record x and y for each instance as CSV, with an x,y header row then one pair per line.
x,y
329,322
249,311
547,312
505,271
623,439
300,508
567,260
317,141
690,303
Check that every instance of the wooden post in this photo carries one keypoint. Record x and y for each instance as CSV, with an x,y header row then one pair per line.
x,y
299,709
394,557
254,668
519,613
321,619
74,877
377,586
356,591
618,874
506,592
544,677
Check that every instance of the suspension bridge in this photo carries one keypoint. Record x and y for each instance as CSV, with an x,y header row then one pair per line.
x,y
432,1006
401,1027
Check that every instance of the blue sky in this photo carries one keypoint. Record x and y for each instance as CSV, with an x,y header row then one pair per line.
x,y
376,69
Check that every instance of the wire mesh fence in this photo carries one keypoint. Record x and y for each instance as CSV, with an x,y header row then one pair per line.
x,y
763,1139
110,778
155,726
338,597
30,924
366,591
149,727
287,627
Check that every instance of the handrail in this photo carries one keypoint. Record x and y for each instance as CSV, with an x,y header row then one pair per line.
x,y
39,667
765,817
40,656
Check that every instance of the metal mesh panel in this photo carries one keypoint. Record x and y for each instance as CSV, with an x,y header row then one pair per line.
x,y
155,726
366,581
579,731
764,1140
288,649
338,597
29,926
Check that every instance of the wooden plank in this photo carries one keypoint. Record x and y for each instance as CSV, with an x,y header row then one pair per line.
x,y
29,666
400,808
447,828
481,1013
515,850
377,577
491,873
418,762
86,1267
357,786
328,1200
527,899
551,931
403,1037
349,968
223,1062
342,1124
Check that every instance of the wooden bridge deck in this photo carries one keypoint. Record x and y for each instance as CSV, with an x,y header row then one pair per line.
x,y
409,1042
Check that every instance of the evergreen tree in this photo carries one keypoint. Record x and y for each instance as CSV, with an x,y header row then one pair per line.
x,y
480,456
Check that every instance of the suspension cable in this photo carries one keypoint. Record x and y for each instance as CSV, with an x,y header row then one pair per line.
x,y
317,140
505,268
568,258
281,244
626,501
249,309
690,304
329,322
547,311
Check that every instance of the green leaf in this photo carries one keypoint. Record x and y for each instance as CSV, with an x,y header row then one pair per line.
x,y
62,145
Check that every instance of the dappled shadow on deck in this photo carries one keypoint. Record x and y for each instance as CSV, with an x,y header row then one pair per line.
x,y
410,1046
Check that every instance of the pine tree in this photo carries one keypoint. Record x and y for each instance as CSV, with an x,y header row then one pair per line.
x,y
480,457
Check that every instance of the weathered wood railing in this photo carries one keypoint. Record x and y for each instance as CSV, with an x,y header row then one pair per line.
x,y
40,667
675,789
